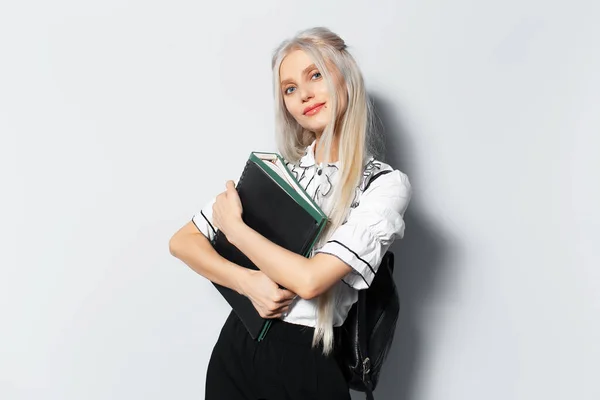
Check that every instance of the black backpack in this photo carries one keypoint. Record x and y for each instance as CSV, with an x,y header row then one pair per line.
x,y
369,328
368,332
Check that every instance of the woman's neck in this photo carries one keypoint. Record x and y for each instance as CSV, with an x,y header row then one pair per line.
x,y
334,149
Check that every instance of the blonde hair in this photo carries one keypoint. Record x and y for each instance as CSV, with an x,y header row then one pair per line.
x,y
356,137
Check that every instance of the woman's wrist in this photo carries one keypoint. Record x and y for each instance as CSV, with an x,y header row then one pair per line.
x,y
241,279
236,232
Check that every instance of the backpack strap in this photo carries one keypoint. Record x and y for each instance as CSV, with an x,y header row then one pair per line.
x,y
377,175
362,342
362,324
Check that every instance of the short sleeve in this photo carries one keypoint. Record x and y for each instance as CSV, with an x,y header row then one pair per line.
x,y
203,220
371,227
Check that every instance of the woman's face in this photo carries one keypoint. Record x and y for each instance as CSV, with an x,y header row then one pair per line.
x,y
305,92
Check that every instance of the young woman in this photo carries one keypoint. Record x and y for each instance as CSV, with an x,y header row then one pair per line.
x,y
324,133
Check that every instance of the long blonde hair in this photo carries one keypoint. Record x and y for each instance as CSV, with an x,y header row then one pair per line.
x,y
356,138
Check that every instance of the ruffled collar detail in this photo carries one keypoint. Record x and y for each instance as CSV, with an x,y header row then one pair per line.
x,y
307,170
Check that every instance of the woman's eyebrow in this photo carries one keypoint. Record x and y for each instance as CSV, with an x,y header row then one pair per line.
x,y
304,72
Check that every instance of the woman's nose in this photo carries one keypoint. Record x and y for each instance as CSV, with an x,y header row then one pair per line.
x,y
306,94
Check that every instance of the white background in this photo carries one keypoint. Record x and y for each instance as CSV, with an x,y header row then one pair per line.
x,y
120,119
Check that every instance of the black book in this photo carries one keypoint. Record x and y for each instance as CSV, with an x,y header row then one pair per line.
x,y
276,206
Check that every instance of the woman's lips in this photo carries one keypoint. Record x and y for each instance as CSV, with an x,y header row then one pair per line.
x,y
314,110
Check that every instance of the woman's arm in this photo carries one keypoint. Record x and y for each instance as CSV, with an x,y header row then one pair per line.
x,y
194,249
354,251
308,277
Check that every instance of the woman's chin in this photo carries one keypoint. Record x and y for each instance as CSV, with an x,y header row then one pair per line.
x,y
318,126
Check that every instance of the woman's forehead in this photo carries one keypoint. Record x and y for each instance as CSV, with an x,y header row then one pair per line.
x,y
296,60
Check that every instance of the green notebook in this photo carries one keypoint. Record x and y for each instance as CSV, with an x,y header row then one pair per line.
x,y
276,206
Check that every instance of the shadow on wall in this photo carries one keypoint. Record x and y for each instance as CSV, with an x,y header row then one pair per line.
x,y
419,260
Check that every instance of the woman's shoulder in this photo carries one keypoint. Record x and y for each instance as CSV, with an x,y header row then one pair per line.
x,y
378,175
380,183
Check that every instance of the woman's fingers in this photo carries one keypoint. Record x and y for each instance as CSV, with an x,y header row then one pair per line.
x,y
286,303
273,310
277,308
283,308
277,313
284,295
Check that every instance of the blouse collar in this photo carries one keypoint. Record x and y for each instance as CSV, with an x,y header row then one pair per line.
x,y
308,160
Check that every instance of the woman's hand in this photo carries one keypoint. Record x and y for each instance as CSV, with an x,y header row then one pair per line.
x,y
227,209
268,299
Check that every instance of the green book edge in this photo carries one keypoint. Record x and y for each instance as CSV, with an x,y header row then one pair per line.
x,y
309,204
315,211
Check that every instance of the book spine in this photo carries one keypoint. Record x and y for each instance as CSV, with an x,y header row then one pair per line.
x,y
243,173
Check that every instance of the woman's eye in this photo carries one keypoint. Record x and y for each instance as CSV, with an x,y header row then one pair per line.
x,y
317,73
287,91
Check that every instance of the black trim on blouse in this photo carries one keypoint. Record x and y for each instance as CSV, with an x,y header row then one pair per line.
x,y
353,252
359,274
211,226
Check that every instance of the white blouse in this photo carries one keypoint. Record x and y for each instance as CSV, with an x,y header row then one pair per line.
x,y
375,220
